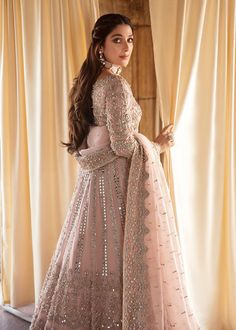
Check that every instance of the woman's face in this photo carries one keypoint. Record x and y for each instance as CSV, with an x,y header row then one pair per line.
x,y
118,45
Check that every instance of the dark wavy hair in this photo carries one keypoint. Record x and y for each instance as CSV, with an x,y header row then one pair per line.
x,y
80,114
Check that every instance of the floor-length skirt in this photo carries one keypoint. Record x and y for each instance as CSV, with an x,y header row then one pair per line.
x,y
83,285
117,264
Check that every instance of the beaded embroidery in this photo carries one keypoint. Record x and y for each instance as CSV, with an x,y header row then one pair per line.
x,y
115,107
99,275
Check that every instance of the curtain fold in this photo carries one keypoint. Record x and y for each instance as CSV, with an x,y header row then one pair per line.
x,y
195,61
43,44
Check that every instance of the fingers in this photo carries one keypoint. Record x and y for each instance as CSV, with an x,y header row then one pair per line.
x,y
169,133
171,128
168,129
166,137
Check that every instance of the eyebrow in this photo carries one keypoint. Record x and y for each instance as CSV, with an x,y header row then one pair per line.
x,y
120,35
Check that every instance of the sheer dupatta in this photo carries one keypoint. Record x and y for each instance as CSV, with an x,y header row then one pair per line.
x,y
154,294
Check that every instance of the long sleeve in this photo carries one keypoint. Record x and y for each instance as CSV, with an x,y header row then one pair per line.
x,y
118,117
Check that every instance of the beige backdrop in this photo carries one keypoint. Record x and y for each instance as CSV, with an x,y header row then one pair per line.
x,y
194,52
42,46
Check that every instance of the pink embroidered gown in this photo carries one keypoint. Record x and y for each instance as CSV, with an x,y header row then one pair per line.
x,y
117,263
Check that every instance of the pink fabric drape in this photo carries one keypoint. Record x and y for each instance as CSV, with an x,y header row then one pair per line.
x,y
154,292
154,286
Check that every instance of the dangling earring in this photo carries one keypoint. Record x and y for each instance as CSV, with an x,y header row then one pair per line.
x,y
114,68
105,63
101,58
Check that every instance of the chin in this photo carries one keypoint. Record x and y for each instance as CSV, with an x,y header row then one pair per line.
x,y
124,63
121,62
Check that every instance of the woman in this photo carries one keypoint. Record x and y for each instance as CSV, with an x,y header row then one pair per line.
x,y
117,264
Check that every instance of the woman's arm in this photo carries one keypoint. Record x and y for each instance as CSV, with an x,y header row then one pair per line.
x,y
119,120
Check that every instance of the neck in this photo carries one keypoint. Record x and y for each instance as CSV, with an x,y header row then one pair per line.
x,y
115,69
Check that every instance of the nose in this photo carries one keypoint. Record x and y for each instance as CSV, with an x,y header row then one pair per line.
x,y
126,46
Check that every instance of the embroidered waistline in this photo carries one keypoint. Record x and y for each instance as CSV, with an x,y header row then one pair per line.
x,y
96,159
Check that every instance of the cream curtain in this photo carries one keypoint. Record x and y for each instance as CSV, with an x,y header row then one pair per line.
x,y
43,43
195,60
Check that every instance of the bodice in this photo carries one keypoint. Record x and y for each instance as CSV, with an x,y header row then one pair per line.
x,y
126,98
117,115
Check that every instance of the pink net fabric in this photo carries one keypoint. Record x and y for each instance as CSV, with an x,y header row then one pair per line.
x,y
154,295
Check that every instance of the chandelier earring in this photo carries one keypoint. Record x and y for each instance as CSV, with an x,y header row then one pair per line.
x,y
101,57
116,69
104,62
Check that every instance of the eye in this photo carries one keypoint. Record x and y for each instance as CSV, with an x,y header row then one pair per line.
x,y
117,40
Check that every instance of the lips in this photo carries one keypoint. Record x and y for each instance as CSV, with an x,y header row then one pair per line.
x,y
124,57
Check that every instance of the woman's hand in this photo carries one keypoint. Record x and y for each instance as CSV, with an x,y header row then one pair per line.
x,y
165,139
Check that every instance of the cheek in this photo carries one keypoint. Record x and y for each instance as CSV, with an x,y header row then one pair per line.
x,y
112,49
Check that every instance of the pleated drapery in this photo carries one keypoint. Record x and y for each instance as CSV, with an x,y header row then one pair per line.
x,y
43,44
195,61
